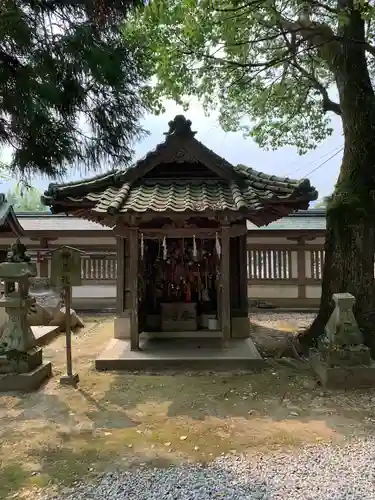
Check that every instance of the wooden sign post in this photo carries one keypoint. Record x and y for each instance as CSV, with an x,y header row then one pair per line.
x,y
66,272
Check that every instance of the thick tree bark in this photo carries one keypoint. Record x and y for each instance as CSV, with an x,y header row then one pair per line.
x,y
348,267
350,237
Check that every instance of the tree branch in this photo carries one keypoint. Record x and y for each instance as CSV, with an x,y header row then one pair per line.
x,y
370,49
252,3
328,104
331,10
12,62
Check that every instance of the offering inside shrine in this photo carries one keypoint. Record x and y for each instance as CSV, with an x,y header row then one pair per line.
x,y
180,282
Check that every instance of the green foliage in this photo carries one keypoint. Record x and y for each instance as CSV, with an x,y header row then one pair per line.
x,y
26,199
69,84
267,65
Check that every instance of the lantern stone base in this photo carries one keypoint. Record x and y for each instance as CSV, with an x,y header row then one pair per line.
x,y
26,382
21,362
23,371
353,369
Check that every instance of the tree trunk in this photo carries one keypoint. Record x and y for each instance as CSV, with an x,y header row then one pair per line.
x,y
348,267
350,235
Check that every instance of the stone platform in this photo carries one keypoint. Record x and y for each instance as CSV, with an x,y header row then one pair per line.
x,y
36,372
180,354
341,360
345,376
26,382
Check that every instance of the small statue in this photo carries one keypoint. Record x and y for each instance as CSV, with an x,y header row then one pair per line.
x,y
17,252
181,127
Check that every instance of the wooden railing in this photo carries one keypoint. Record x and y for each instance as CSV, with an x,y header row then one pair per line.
x,y
316,263
99,268
285,275
95,267
267,263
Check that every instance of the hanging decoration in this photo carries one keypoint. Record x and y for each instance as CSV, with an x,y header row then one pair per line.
x,y
180,271
165,252
194,248
142,246
218,246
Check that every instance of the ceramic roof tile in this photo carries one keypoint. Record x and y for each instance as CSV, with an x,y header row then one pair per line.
x,y
176,196
8,218
238,187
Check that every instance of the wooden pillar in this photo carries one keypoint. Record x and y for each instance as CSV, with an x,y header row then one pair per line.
x,y
234,275
133,284
120,277
244,302
43,266
225,284
301,270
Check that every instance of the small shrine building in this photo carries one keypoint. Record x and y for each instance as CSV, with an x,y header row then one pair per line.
x,y
179,216
9,224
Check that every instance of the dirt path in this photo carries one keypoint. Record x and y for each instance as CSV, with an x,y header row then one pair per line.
x,y
59,434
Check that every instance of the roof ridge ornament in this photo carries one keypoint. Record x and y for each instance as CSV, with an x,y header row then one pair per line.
x,y
180,127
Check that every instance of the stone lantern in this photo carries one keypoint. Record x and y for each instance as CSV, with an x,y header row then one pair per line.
x,y
21,361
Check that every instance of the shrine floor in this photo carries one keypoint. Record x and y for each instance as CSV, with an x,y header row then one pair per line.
x,y
180,354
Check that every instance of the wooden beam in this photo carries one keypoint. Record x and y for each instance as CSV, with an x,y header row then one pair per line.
x,y
283,246
243,273
301,272
176,233
120,292
291,234
225,284
133,282
238,230
159,233
43,266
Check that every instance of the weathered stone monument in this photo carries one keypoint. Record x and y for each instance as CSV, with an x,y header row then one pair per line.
x,y
21,361
341,359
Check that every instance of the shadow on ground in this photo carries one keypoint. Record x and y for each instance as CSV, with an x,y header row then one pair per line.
x,y
59,434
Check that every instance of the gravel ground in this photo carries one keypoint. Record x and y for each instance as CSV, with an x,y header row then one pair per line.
x,y
345,472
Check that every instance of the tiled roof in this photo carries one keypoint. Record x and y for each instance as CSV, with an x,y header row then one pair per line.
x,y
303,220
236,188
8,219
57,223
310,220
176,196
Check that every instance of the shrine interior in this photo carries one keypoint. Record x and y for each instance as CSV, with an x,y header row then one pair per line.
x,y
178,284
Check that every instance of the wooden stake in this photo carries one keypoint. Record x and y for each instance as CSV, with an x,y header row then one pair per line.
x,y
69,378
68,332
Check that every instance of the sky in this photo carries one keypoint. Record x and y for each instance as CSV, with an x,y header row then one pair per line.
x,y
284,162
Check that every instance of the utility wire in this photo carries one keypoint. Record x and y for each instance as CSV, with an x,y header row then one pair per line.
x,y
324,162
313,161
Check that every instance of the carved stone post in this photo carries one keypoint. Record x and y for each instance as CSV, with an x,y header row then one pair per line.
x,y
341,360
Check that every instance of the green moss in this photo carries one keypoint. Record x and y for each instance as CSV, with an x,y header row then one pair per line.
x,y
13,477
351,203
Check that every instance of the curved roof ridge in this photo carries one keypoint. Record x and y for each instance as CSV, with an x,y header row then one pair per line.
x,y
8,215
